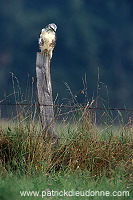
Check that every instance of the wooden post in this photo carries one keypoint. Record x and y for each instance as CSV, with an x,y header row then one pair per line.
x,y
44,89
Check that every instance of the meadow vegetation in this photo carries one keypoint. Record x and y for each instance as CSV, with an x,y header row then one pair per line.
x,y
87,157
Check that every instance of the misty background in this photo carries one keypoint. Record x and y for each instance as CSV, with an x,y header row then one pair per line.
x,y
93,54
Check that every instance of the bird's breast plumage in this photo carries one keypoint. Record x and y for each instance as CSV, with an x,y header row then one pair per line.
x,y
45,40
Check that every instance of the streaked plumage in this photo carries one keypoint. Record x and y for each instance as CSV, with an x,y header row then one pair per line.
x,y
47,39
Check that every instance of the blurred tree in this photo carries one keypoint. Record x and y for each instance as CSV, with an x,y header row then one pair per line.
x,y
91,34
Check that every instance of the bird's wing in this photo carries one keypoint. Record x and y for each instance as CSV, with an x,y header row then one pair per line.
x,y
41,41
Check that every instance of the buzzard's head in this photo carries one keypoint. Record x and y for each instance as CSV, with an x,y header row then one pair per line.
x,y
52,27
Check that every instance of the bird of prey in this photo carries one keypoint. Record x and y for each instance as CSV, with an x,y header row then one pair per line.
x,y
47,39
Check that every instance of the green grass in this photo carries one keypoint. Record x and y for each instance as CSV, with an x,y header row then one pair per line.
x,y
68,181
87,158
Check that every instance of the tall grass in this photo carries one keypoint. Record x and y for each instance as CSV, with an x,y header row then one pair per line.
x,y
83,146
86,150
87,157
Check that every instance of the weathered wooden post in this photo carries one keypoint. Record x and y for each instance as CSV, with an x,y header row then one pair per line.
x,y
44,89
44,86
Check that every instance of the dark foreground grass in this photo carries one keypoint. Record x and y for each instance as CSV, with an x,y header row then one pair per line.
x,y
86,159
